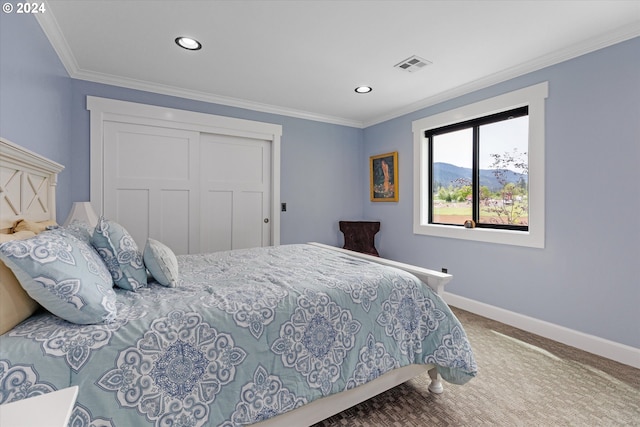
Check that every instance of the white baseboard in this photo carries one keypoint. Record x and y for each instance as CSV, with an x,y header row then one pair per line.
x,y
610,349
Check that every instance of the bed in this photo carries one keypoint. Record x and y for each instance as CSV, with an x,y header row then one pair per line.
x,y
283,335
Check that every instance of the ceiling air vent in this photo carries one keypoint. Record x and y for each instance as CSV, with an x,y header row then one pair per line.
x,y
412,64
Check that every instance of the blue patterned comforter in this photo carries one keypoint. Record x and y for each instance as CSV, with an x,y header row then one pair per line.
x,y
247,335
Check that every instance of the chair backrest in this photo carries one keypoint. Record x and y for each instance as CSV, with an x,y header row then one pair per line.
x,y
359,236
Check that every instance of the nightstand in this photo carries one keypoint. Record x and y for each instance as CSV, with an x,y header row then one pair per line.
x,y
51,410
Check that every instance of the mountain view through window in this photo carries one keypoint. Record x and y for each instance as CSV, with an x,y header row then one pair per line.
x,y
479,172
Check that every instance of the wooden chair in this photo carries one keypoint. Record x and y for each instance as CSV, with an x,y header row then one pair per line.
x,y
359,236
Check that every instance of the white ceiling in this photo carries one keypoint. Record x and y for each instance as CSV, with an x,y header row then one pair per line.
x,y
304,58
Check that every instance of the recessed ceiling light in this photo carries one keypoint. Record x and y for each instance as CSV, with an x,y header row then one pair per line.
x,y
364,89
188,43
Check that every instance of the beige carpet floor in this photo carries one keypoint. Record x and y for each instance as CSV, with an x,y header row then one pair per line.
x,y
523,380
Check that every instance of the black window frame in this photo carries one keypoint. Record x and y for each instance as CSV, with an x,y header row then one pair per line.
x,y
475,125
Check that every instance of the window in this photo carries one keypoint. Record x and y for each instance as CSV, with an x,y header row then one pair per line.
x,y
479,171
483,162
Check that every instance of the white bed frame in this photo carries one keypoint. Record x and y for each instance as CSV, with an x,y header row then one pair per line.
x,y
434,279
27,191
27,185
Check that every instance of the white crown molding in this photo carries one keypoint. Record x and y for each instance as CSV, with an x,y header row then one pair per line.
x,y
210,98
53,32
621,34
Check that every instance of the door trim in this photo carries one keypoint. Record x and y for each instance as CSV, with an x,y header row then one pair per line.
x,y
105,110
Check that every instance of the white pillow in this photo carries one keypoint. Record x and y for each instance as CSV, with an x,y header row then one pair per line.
x,y
161,263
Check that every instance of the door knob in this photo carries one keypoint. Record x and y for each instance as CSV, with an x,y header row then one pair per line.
x,y
266,220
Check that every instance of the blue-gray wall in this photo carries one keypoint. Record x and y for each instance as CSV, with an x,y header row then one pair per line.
x,y
583,279
35,96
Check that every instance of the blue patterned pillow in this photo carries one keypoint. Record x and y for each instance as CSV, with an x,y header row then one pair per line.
x,y
79,229
65,275
161,263
120,253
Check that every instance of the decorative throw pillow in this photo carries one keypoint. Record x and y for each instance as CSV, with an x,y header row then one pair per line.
x,y
80,230
65,275
120,253
161,263
15,304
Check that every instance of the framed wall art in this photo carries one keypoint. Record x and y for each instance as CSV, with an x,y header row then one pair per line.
x,y
383,175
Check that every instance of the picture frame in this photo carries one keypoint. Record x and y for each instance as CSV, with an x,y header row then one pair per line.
x,y
383,177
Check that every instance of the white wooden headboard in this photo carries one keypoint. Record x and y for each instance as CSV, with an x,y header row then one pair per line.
x,y
27,185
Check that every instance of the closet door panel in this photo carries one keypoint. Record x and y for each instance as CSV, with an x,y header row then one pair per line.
x,y
173,222
153,153
236,187
195,192
217,217
193,166
248,222
150,176
132,212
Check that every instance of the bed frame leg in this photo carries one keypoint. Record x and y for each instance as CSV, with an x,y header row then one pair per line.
x,y
436,381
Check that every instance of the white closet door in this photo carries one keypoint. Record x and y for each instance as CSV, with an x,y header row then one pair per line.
x,y
151,183
235,192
